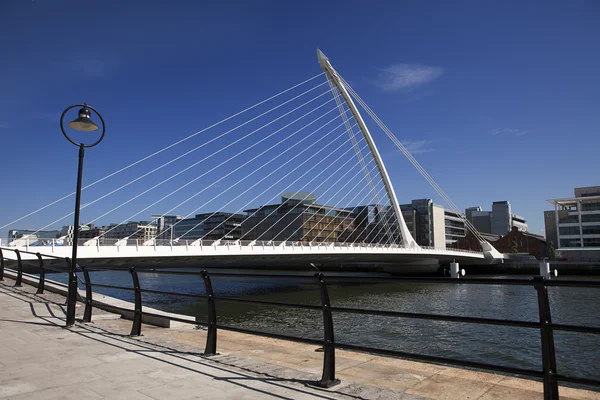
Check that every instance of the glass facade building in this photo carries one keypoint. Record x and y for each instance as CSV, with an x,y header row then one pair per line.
x,y
576,220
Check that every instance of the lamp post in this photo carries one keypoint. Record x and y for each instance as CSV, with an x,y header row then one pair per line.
x,y
83,123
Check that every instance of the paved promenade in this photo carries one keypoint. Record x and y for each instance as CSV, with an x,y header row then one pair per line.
x,y
39,359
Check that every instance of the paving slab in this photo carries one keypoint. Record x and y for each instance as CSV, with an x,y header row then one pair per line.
x,y
40,359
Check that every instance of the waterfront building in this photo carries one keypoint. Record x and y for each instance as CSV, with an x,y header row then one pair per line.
x,y
142,230
94,232
471,242
66,233
210,226
518,241
454,227
499,221
431,225
21,236
299,218
374,223
576,224
164,225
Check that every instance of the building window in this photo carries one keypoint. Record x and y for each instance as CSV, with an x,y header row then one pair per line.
x,y
590,206
590,218
570,243
591,242
568,219
568,230
591,230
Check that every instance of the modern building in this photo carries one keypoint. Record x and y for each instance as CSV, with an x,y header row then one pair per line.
x,y
299,218
67,232
454,227
210,226
142,231
576,224
430,224
373,223
499,221
481,220
94,232
164,224
23,235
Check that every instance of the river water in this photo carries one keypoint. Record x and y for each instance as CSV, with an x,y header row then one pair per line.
x,y
577,354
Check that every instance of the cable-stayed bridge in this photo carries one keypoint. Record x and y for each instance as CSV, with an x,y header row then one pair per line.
x,y
309,141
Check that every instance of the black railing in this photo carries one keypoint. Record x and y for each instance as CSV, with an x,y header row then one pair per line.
x,y
549,372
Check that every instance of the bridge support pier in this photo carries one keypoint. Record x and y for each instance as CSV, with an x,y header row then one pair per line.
x,y
454,270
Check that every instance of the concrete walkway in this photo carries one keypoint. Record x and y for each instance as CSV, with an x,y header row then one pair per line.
x,y
39,359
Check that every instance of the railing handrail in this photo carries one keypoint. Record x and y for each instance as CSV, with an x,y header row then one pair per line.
x,y
540,284
162,243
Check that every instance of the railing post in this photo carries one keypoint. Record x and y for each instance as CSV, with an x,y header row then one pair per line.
x,y
87,313
136,328
547,336
211,336
72,294
42,280
328,378
19,280
1,265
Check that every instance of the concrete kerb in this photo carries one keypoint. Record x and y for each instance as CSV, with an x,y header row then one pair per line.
x,y
107,303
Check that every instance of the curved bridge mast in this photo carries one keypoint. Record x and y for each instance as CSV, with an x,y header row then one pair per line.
x,y
333,77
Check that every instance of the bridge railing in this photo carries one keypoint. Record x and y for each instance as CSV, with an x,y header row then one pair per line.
x,y
35,244
544,325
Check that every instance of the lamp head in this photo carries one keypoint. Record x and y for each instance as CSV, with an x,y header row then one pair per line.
x,y
83,122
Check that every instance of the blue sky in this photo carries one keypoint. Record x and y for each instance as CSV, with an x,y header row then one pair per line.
x,y
498,101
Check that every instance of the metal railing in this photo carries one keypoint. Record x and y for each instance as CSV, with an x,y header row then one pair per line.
x,y
546,327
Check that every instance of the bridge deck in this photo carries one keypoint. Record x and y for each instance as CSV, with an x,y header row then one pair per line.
x,y
41,360
264,254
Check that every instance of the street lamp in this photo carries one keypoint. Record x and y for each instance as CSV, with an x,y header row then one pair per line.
x,y
83,123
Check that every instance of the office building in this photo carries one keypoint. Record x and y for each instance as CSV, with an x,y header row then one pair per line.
x,y
576,223
66,233
454,227
374,223
22,236
210,226
142,231
427,223
299,218
164,224
499,221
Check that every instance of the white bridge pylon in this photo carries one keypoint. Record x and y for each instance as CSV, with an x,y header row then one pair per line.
x,y
316,152
332,75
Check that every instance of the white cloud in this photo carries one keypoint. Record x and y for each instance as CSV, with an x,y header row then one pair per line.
x,y
509,131
417,146
406,76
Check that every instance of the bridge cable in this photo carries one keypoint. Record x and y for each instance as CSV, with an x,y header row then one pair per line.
x,y
166,148
260,181
307,195
359,155
415,163
336,206
350,215
226,161
191,166
264,178
297,179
